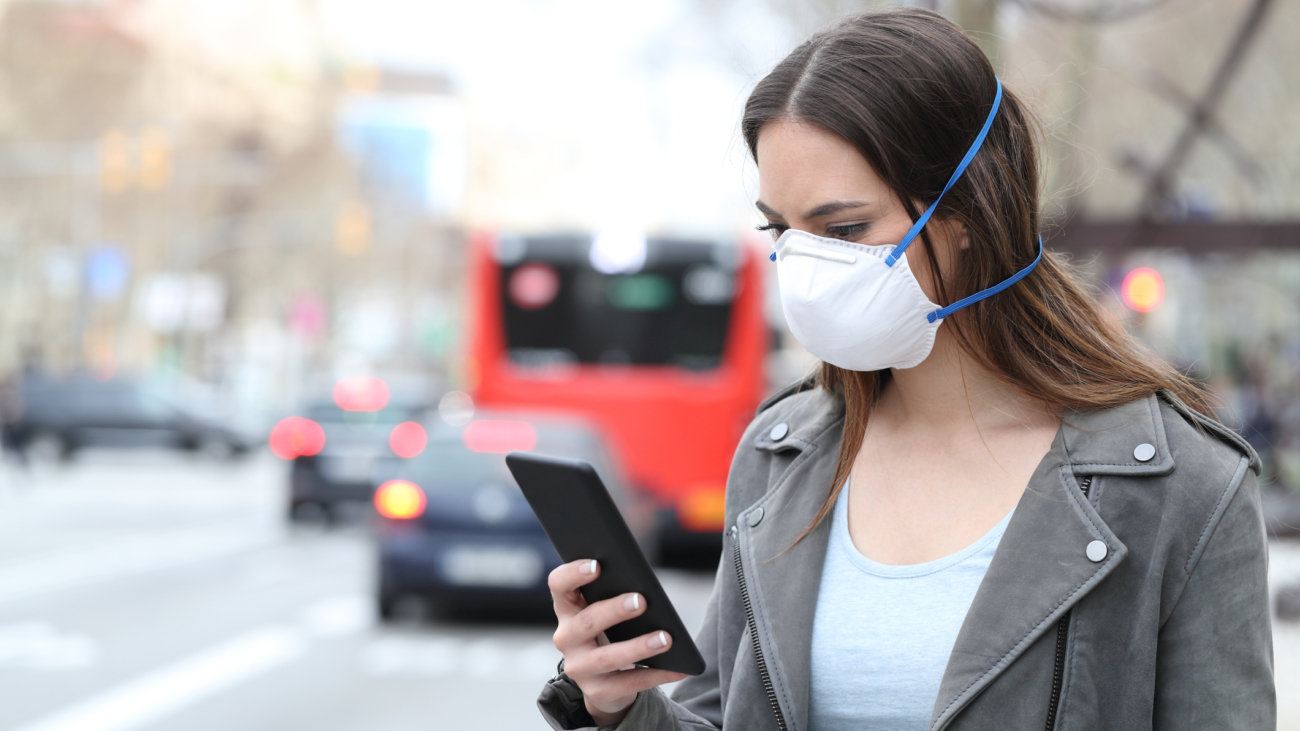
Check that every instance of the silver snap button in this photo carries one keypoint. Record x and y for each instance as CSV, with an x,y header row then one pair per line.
x,y
1144,452
755,517
778,432
1096,551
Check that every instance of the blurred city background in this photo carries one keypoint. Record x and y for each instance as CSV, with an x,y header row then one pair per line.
x,y
281,280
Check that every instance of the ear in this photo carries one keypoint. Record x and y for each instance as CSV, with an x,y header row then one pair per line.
x,y
963,237
954,232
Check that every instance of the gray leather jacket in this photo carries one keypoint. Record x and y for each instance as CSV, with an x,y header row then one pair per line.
x,y
1168,630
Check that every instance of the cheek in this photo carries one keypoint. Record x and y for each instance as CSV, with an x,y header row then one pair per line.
x,y
919,263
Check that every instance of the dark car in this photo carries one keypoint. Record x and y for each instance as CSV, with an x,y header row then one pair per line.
x,y
335,452
455,529
54,417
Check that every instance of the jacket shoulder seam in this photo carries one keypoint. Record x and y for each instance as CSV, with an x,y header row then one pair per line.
x,y
1216,515
1213,427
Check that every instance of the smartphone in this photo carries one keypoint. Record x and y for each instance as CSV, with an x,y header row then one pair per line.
x,y
582,521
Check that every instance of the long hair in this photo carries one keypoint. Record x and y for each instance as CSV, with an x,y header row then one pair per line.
x,y
910,91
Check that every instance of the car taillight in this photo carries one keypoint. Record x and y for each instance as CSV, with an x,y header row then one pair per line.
x,y
296,437
499,437
703,508
400,500
407,439
361,393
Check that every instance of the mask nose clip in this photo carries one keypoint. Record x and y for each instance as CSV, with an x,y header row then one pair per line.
x,y
793,249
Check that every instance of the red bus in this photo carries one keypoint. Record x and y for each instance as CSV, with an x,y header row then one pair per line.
x,y
658,341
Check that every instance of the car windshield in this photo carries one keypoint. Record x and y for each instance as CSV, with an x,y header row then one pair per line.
x,y
674,310
447,462
451,463
387,416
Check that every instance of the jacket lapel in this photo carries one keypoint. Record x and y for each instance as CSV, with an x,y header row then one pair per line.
x,y
1041,569
783,583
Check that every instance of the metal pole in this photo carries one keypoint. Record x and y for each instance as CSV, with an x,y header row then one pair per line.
x,y
1200,118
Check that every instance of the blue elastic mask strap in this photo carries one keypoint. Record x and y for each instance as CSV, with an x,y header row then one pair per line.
x,y
961,168
942,313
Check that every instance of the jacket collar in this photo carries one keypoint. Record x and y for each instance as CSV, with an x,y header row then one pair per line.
x,y
1039,572
1096,442
805,423
1105,441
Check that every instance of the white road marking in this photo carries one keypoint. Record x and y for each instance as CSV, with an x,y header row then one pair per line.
x,y
90,564
41,646
339,616
443,656
148,698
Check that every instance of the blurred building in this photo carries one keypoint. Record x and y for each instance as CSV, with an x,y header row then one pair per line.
x,y
263,194
196,188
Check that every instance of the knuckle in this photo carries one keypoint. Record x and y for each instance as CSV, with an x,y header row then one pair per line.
x,y
555,581
586,622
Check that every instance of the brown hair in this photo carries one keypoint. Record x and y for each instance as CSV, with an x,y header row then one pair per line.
x,y
910,91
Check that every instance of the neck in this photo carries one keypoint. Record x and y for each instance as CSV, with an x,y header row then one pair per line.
x,y
950,392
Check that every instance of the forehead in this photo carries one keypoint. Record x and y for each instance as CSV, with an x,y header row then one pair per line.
x,y
801,163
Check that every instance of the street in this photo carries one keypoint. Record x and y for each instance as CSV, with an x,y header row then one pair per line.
x,y
166,592
163,591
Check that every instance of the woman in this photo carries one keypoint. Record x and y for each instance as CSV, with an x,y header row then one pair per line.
x,y
997,514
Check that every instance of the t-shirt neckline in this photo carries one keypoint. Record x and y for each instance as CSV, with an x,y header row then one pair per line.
x,y
840,535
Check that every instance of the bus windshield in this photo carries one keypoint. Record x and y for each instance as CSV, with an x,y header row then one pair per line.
x,y
673,310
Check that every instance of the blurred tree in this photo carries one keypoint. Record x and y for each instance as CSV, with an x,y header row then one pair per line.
x,y
979,19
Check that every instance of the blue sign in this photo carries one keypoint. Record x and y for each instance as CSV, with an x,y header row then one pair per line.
x,y
107,272
409,148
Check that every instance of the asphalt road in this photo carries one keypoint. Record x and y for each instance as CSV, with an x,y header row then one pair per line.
x,y
156,591
162,592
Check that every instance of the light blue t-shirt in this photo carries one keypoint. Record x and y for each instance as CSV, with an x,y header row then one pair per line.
x,y
882,634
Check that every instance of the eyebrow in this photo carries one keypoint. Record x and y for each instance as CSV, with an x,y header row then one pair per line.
x,y
824,209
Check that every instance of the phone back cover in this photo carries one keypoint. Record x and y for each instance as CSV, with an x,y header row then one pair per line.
x,y
582,522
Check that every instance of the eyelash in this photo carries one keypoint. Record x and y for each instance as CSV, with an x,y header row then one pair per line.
x,y
843,232
848,231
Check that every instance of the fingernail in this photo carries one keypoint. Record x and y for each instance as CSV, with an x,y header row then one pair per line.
x,y
659,640
632,603
588,567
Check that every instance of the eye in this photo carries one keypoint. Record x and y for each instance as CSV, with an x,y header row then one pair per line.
x,y
776,228
846,231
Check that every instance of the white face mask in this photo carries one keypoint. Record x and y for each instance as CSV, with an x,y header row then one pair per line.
x,y
860,307
848,307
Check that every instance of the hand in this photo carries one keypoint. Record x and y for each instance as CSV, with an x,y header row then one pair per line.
x,y
603,671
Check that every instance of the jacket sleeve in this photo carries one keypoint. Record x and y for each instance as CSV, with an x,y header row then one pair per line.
x,y
1215,654
696,704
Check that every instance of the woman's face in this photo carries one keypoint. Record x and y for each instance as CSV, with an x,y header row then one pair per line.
x,y
815,181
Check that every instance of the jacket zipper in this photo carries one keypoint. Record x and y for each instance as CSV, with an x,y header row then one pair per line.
x,y
753,631
1062,638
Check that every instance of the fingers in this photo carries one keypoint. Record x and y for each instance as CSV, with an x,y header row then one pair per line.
x,y
564,583
604,671
601,661
582,629
626,683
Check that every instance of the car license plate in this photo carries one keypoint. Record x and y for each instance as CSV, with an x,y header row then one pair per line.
x,y
513,567
347,468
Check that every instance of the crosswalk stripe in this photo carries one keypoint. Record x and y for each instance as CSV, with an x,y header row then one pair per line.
x,y
172,687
